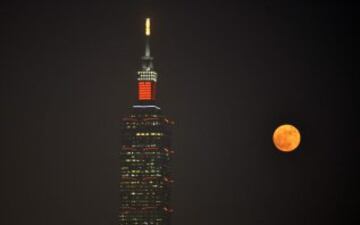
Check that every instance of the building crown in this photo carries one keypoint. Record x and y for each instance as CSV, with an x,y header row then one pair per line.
x,y
147,77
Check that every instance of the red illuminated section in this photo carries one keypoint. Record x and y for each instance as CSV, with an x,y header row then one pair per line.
x,y
146,90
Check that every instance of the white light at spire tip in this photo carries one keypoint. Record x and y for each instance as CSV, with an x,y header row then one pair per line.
x,y
147,27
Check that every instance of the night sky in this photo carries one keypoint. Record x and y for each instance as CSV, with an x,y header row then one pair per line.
x,y
229,74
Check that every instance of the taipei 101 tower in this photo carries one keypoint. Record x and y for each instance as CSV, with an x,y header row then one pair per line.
x,y
146,153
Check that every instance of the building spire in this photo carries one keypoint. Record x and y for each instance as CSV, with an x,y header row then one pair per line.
x,y
147,34
147,27
147,59
147,76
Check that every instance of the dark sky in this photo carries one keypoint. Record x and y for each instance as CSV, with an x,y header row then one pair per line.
x,y
229,74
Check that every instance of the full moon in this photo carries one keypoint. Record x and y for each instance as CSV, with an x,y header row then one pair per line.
x,y
286,138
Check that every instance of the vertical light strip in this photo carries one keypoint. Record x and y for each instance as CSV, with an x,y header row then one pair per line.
x,y
147,27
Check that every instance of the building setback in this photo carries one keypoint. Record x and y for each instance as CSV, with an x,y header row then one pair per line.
x,y
145,156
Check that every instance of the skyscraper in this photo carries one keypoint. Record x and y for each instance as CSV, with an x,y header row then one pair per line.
x,y
146,153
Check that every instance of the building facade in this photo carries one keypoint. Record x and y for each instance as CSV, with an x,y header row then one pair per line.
x,y
146,153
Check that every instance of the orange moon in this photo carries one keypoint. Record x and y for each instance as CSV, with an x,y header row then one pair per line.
x,y
286,138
